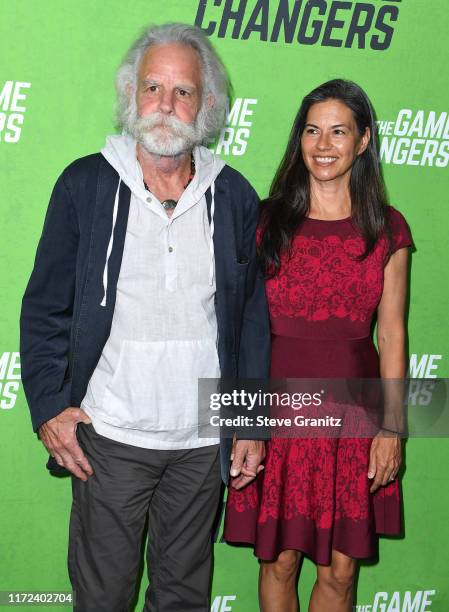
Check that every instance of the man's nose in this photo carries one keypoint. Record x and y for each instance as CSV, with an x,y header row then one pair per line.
x,y
166,104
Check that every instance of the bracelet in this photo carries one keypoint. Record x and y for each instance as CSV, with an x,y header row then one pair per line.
x,y
398,433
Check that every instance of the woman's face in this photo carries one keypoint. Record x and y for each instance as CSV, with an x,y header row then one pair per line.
x,y
331,142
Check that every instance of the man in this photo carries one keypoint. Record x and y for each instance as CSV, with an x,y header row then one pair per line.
x,y
145,280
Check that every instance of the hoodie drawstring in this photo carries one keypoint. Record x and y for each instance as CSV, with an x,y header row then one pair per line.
x,y
111,242
211,243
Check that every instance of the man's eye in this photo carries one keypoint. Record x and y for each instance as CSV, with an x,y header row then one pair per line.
x,y
183,93
151,88
339,132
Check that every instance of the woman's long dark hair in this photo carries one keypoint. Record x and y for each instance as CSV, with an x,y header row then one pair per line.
x,y
289,200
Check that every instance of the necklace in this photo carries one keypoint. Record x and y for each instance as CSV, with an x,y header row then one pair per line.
x,y
171,204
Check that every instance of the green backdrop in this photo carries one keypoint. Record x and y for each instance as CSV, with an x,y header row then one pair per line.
x,y
57,65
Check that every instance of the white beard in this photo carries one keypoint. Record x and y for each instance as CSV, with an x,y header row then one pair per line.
x,y
162,135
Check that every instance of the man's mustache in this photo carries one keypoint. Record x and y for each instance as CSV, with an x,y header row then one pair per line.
x,y
159,120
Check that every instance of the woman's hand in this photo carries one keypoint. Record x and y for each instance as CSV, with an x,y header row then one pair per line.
x,y
385,459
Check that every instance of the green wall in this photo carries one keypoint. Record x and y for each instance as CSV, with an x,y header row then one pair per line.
x,y
57,64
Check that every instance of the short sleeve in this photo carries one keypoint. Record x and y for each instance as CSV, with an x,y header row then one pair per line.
x,y
400,231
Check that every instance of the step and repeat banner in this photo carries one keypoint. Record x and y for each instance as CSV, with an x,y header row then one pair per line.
x,y
57,66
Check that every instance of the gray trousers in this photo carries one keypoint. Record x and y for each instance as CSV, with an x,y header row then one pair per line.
x,y
177,491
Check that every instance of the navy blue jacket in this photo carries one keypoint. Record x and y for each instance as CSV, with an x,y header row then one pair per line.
x,y
63,326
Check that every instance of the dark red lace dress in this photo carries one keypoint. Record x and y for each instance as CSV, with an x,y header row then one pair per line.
x,y
313,495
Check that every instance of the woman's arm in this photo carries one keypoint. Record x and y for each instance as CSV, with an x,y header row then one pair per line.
x,y
385,456
391,315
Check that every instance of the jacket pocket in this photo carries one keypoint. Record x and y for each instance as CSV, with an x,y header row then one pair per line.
x,y
242,260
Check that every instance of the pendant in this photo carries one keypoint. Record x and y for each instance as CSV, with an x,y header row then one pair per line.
x,y
169,204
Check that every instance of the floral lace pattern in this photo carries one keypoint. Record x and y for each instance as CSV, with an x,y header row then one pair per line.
x,y
320,479
323,278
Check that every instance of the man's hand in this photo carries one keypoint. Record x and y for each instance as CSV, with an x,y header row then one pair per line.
x,y
59,437
385,459
246,458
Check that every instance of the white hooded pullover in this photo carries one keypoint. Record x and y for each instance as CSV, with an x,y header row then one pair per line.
x,y
144,390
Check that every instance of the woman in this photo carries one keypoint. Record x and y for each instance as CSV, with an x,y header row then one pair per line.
x,y
334,256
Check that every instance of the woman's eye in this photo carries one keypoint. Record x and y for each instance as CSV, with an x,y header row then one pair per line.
x,y
339,132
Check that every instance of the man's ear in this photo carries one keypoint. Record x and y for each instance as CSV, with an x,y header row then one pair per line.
x,y
364,141
130,91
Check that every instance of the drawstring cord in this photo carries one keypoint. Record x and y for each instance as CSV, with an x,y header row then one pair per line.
x,y
111,242
211,243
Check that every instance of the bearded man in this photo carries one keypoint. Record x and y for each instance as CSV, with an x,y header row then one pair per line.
x,y
146,280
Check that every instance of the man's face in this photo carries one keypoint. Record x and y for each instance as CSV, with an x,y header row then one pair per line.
x,y
168,99
169,82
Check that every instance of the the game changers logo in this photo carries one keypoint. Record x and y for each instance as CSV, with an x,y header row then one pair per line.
x,y
424,366
223,603
9,379
233,138
12,109
415,138
329,23
407,601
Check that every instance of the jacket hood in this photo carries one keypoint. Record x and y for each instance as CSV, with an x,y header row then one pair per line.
x,y
120,152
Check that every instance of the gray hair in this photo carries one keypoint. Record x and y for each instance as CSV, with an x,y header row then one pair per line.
x,y
215,82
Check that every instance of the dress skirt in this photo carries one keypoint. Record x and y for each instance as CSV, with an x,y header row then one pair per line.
x,y
313,495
